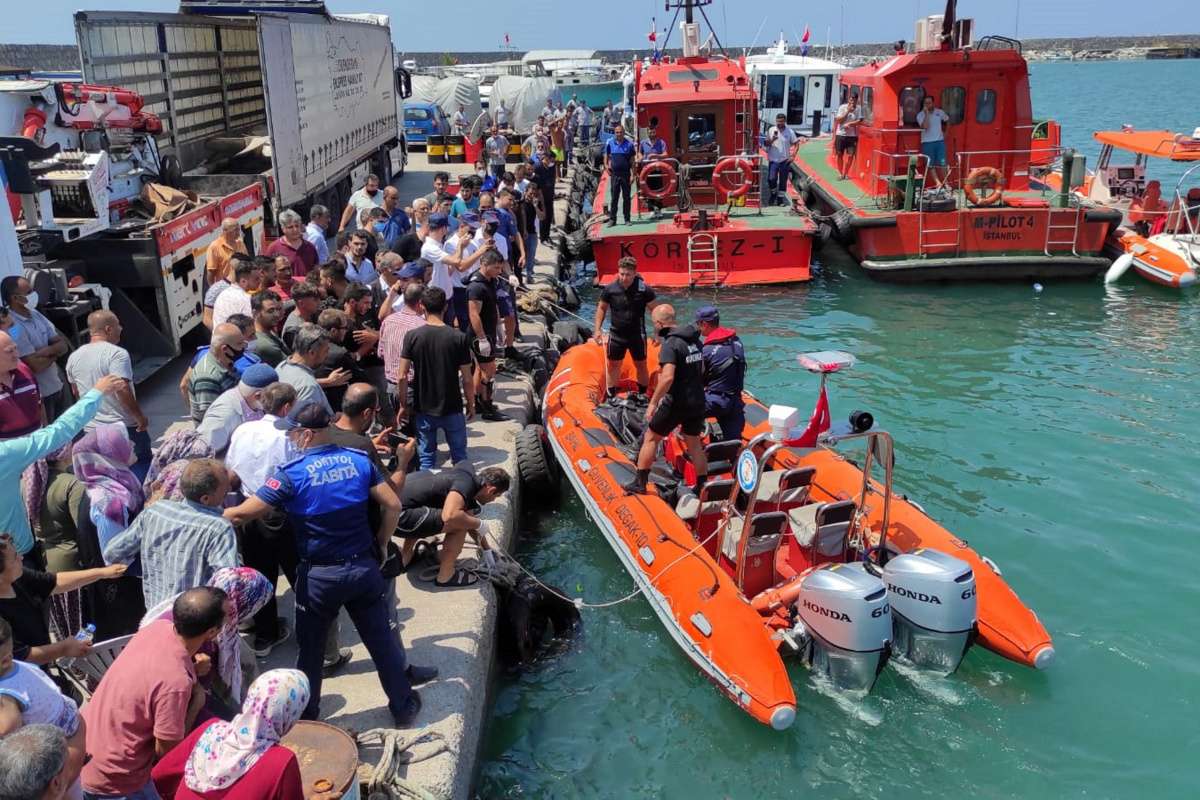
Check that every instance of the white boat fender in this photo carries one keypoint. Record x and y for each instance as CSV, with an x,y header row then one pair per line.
x,y
1119,267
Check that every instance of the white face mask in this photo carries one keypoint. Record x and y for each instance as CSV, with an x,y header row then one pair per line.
x,y
32,299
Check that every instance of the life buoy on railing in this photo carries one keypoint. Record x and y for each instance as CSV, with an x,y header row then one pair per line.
x,y
988,178
727,170
665,171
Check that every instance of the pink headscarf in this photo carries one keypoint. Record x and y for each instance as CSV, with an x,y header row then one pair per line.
x,y
102,458
228,750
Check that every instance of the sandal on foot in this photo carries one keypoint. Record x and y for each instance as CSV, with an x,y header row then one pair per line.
x,y
459,579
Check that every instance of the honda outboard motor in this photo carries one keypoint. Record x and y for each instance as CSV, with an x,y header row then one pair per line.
x,y
933,608
845,624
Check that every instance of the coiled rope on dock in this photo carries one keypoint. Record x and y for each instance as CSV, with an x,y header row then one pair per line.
x,y
385,782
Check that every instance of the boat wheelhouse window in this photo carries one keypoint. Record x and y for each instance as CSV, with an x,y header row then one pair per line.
x,y
795,100
772,91
867,105
911,98
689,75
828,90
701,130
985,106
954,103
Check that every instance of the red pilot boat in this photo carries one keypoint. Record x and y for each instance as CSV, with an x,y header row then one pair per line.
x,y
698,218
977,218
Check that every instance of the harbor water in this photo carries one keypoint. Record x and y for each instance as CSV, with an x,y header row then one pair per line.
x,y
1054,430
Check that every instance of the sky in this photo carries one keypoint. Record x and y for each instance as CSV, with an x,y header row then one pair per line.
x,y
623,24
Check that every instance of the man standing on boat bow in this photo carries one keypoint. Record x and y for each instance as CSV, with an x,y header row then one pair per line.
x,y
628,297
678,400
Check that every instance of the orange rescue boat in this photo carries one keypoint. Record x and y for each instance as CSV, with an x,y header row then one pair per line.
x,y
790,548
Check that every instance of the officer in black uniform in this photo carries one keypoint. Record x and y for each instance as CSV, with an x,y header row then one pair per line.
x,y
724,373
628,297
678,400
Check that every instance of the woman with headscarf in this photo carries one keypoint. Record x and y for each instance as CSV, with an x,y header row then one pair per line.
x,y
248,591
241,759
180,445
102,460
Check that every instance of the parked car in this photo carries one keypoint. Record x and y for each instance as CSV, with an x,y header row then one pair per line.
x,y
423,119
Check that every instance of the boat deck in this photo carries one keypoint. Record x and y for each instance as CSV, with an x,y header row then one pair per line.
x,y
813,158
740,217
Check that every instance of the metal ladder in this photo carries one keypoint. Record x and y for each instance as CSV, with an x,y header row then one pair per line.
x,y
702,260
928,238
1073,227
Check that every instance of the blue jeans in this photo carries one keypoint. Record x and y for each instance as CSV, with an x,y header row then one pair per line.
x,y
356,584
453,426
498,170
531,246
460,316
141,447
147,792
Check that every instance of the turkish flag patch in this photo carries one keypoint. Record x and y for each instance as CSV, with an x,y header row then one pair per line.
x,y
272,483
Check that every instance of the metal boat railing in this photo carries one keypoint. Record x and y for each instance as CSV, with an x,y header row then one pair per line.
x,y
752,198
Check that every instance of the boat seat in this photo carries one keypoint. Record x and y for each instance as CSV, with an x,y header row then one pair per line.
x,y
703,514
822,530
763,530
721,455
790,487
766,533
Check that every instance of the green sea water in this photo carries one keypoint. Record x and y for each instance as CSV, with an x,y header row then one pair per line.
x,y
1053,430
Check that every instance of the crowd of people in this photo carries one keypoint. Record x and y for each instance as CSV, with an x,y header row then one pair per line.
x,y
312,453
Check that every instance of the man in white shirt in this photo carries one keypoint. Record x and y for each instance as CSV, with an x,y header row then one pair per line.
x,y
845,138
583,118
933,138
502,116
461,123
364,199
268,545
781,149
446,264
358,266
236,298
314,232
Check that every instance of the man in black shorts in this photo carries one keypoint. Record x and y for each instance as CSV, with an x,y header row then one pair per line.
x,y
628,297
449,502
845,134
483,311
678,400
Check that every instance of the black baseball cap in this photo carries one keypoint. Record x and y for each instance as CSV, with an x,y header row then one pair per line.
x,y
312,416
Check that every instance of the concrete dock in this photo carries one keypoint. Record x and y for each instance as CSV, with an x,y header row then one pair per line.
x,y
451,629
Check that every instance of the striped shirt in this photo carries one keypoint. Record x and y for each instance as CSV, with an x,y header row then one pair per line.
x,y
208,382
181,544
391,340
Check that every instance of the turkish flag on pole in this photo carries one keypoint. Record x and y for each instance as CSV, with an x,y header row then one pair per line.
x,y
807,33
818,423
653,34
506,38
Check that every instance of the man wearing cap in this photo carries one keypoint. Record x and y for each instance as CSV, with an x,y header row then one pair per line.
x,y
240,404
408,274
724,373
449,257
325,492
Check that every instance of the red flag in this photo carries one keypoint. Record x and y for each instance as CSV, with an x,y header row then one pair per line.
x,y
652,35
818,423
506,38
807,33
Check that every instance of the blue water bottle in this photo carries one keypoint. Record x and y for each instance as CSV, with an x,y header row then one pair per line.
x,y
87,634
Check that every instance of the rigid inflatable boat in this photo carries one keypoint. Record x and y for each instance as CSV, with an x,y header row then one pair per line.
x,y
789,550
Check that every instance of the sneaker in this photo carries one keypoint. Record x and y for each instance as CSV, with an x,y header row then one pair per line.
x,y
492,414
262,647
406,717
332,667
419,675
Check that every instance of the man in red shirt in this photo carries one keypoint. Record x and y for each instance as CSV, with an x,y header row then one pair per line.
x,y
293,244
149,698
20,401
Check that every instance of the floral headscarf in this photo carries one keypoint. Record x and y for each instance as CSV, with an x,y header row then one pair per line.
x,y
248,590
101,460
183,443
228,750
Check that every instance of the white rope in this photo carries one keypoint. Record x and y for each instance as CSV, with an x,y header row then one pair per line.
x,y
385,782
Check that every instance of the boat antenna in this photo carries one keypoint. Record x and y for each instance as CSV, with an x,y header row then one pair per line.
x,y
688,7
748,50
948,21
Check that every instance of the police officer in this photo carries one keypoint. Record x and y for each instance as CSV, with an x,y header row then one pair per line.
x,y
678,400
325,493
628,297
724,373
619,154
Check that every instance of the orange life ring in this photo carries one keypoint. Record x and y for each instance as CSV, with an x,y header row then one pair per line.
x,y
982,175
730,166
653,169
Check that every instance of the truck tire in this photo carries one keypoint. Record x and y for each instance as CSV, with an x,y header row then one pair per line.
x,y
535,464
